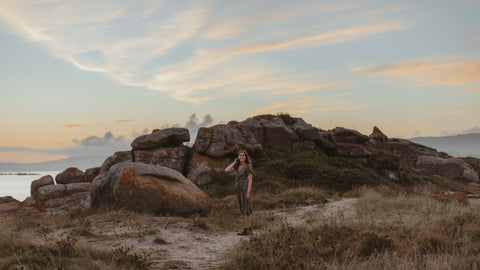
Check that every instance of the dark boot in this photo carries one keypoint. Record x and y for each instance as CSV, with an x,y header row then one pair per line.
x,y
246,231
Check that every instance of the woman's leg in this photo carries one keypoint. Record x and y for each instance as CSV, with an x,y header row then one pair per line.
x,y
247,220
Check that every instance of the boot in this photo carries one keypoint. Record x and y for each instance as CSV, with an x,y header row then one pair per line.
x,y
246,231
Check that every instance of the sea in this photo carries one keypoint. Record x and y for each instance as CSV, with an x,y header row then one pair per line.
x,y
17,184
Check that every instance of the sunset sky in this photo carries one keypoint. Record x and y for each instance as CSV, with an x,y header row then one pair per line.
x,y
80,77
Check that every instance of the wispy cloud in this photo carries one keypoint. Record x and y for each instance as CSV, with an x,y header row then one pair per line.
x,y
446,112
303,106
133,43
431,71
107,139
122,121
73,126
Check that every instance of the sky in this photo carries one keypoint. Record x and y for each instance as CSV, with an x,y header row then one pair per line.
x,y
83,77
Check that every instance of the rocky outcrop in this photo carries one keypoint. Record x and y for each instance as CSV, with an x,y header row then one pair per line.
x,y
70,175
174,157
343,135
202,170
151,188
271,130
377,135
451,168
64,197
91,173
161,138
140,178
223,140
9,204
36,184
56,198
117,157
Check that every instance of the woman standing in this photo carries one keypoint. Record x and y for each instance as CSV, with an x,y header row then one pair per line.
x,y
242,166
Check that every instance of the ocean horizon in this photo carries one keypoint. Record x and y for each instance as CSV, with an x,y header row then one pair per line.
x,y
17,183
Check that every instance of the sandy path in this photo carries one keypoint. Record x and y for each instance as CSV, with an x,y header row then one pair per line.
x,y
203,249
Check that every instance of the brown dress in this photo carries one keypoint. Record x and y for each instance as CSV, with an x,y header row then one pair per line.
x,y
241,186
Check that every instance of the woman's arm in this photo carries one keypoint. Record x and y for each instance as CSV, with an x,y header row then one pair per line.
x,y
231,166
249,186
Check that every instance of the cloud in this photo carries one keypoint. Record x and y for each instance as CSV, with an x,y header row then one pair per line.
x,y
122,121
108,139
73,126
193,125
91,146
445,112
304,106
133,42
451,71
330,37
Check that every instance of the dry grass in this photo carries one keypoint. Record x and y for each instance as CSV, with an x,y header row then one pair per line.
x,y
389,232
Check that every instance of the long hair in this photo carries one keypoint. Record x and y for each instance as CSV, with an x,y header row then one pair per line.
x,y
248,160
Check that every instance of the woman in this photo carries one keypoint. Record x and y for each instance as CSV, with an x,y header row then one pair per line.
x,y
243,184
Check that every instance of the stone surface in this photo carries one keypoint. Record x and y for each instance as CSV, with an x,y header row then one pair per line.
x,y
349,136
29,202
326,142
451,168
70,175
91,173
305,131
271,130
117,157
64,197
7,199
76,201
162,138
224,140
152,188
44,181
202,170
378,135
353,150
49,192
171,157
10,206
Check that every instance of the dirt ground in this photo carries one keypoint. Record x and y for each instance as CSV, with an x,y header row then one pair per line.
x,y
177,243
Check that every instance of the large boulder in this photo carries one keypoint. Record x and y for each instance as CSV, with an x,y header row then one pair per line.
x,y
63,197
223,140
117,157
36,184
91,173
271,130
9,204
349,136
172,157
202,170
161,138
452,168
326,142
7,199
305,131
70,175
377,135
153,188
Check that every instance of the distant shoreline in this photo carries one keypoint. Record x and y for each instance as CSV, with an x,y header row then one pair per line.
x,y
18,173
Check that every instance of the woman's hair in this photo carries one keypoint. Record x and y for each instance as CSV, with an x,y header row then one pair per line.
x,y
248,160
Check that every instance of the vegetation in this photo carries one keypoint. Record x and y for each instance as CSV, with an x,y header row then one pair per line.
x,y
406,232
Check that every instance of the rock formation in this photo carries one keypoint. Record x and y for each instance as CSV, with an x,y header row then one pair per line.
x,y
47,195
149,188
150,176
